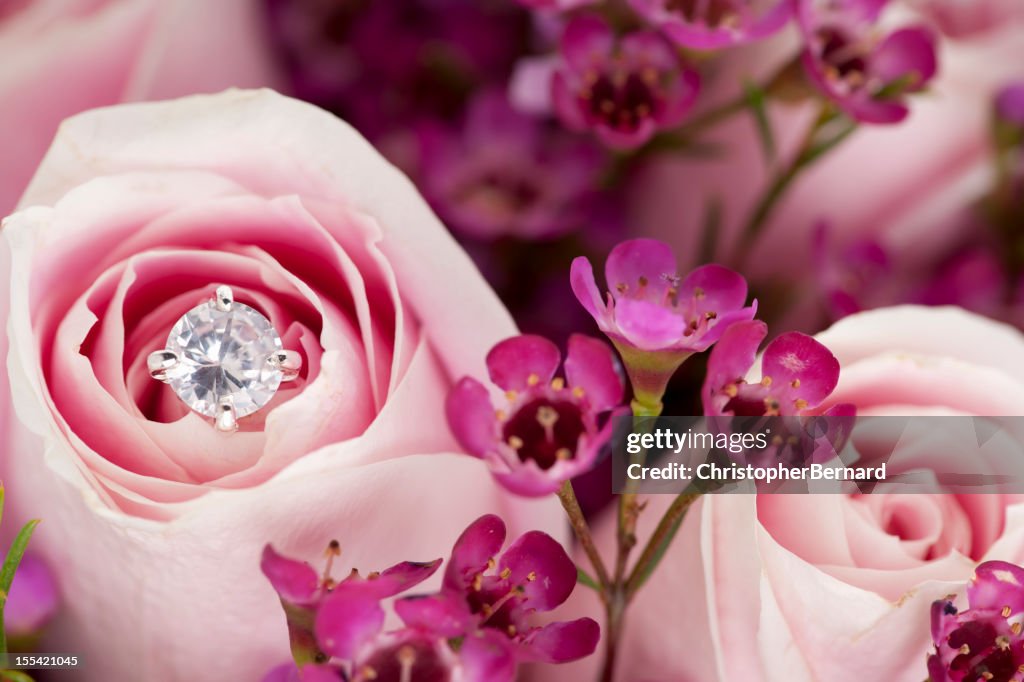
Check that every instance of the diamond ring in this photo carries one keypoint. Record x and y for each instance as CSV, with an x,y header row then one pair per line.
x,y
224,360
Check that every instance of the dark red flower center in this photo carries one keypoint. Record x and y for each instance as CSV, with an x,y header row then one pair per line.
x,y
843,56
623,100
545,431
413,660
984,656
714,13
497,603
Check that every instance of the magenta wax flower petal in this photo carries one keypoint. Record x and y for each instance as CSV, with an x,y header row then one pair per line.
x,y
474,550
523,361
590,366
563,642
471,416
295,581
537,563
906,53
714,289
346,620
584,286
810,369
997,585
438,613
712,24
642,268
797,374
729,362
647,325
398,578
33,598
487,657
586,41
623,90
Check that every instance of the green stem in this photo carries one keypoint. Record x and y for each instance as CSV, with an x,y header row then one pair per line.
x,y
658,542
698,124
616,597
567,496
811,148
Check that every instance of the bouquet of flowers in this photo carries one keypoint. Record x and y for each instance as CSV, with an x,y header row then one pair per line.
x,y
309,373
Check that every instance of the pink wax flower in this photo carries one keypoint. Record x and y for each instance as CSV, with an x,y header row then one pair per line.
x,y
549,430
710,24
851,277
797,374
487,592
504,173
624,89
383,65
655,317
866,77
982,642
350,627
297,583
304,593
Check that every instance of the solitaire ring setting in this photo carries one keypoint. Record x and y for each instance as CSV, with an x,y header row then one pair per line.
x,y
224,360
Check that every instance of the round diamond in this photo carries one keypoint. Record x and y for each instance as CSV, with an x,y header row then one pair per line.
x,y
224,354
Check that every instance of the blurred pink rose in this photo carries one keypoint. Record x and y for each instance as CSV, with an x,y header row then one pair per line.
x,y
157,518
960,19
906,185
65,56
833,587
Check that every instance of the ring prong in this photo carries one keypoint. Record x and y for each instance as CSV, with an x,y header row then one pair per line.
x,y
226,419
159,361
224,298
288,361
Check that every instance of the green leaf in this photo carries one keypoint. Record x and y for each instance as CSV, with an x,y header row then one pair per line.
x,y
827,143
14,558
15,676
757,101
584,578
645,569
8,570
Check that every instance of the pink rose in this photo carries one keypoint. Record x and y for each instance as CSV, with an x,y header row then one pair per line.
x,y
831,587
154,518
65,56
